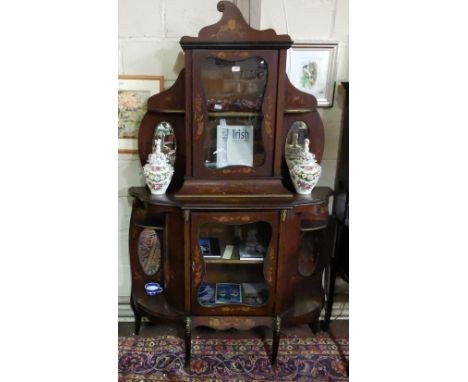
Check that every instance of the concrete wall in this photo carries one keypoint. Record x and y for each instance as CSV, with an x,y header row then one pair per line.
x,y
149,31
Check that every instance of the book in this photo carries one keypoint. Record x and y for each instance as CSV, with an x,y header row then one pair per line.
x,y
234,145
254,293
228,251
209,247
206,294
228,293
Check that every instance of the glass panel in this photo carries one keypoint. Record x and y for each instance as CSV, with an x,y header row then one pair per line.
x,y
234,256
234,92
149,251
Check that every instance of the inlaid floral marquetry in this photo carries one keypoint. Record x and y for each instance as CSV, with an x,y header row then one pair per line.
x,y
231,322
199,121
225,218
149,251
269,266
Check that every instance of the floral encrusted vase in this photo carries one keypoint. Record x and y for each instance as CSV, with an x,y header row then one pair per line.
x,y
304,170
158,171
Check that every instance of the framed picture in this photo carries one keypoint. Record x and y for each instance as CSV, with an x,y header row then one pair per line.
x,y
311,68
134,92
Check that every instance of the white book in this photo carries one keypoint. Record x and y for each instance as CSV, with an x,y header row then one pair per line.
x,y
234,145
228,252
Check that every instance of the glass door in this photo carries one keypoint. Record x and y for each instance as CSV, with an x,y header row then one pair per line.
x,y
234,92
234,111
233,262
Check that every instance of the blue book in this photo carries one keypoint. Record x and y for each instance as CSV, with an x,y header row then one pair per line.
x,y
209,247
228,293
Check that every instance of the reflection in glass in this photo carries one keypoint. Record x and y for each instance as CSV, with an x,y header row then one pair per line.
x,y
234,93
234,256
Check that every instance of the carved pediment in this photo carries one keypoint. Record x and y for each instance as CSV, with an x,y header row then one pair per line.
x,y
232,30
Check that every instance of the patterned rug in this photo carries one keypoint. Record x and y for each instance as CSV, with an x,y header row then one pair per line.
x,y
317,359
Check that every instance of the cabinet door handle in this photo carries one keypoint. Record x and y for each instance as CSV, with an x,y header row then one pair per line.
x,y
193,266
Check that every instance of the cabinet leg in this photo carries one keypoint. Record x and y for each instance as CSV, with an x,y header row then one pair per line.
x,y
330,293
137,316
276,339
137,324
315,325
188,342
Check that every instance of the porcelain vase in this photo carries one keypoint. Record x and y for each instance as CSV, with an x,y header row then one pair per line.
x,y
158,171
304,169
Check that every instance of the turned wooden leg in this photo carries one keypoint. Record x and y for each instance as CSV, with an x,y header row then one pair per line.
x,y
137,316
188,342
276,339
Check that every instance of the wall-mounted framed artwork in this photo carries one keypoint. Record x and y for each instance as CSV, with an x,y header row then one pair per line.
x,y
311,67
134,92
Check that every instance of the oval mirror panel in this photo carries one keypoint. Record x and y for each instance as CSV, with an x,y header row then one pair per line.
x,y
149,251
165,132
308,255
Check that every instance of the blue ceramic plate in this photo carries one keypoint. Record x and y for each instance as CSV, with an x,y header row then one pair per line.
x,y
152,289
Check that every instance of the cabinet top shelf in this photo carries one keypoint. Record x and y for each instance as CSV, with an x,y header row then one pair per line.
x,y
234,114
319,195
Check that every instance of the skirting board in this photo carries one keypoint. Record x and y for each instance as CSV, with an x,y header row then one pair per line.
x,y
340,310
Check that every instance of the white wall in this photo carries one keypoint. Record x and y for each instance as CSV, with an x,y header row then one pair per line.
x,y
316,21
149,33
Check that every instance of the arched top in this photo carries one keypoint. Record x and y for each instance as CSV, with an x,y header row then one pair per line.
x,y
296,99
171,100
232,31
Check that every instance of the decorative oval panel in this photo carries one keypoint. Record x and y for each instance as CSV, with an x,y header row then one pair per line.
x,y
308,255
149,251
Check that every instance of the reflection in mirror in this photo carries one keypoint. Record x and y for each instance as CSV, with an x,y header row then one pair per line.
x,y
298,133
165,132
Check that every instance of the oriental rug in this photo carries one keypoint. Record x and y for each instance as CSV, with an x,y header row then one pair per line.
x,y
161,359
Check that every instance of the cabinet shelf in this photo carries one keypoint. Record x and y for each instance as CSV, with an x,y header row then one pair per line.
x,y
308,225
232,261
221,114
156,306
149,226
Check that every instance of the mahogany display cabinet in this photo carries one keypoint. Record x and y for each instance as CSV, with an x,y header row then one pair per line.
x,y
231,243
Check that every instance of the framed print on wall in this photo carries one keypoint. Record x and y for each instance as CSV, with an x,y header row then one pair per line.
x,y
312,69
134,92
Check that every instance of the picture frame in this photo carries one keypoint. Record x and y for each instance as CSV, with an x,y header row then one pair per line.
x,y
311,68
133,94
